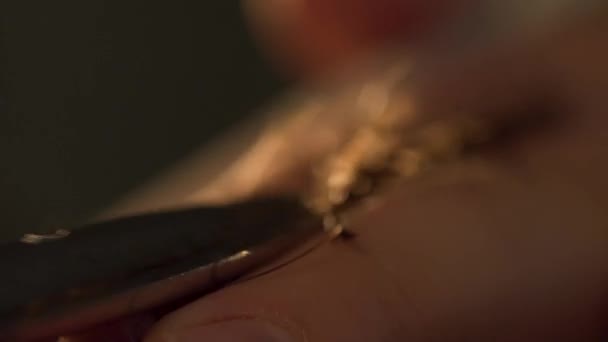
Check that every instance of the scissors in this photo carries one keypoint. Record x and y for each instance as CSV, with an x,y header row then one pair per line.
x,y
109,269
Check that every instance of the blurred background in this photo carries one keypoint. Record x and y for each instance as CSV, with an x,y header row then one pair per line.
x,y
99,96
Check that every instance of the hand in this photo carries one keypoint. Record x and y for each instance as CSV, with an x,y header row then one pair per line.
x,y
508,246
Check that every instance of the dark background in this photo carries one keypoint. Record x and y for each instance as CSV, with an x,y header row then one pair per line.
x,y
97,96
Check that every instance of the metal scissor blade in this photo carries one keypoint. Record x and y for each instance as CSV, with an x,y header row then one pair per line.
x,y
109,269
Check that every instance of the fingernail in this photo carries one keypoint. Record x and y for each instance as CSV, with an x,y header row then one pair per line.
x,y
246,330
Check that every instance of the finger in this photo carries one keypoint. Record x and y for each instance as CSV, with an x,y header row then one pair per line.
x,y
318,300
461,255
495,241
310,37
474,250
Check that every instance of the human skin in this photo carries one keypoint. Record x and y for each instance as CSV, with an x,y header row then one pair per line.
x,y
506,246
309,38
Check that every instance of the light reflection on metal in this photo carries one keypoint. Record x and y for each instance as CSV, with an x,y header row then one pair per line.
x,y
238,256
39,238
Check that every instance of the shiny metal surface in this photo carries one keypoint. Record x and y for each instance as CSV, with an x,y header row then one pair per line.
x,y
119,267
